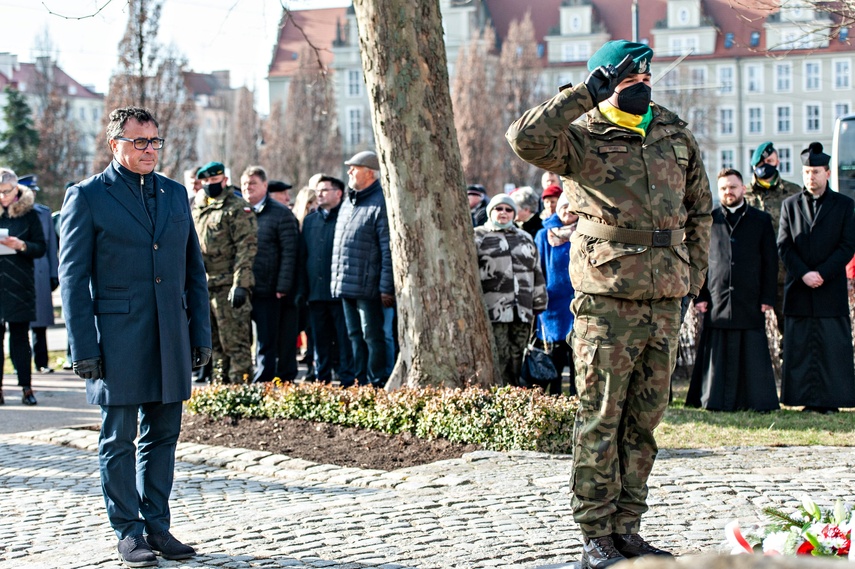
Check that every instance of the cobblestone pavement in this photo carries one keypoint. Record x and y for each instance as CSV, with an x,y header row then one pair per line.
x,y
252,509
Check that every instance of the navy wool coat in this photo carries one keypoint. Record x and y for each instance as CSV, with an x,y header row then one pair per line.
x,y
134,294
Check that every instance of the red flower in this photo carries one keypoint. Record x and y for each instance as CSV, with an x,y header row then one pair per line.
x,y
805,548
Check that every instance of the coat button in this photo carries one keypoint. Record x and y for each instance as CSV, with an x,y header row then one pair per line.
x,y
157,280
155,246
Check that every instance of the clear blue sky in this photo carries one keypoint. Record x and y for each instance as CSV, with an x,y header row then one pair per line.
x,y
237,35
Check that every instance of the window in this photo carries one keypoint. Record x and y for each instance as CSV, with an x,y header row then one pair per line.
x,y
354,83
755,120
725,121
354,126
783,119
726,158
82,114
698,76
812,76
577,51
785,155
754,78
813,117
725,79
679,45
842,74
783,77
698,122
841,108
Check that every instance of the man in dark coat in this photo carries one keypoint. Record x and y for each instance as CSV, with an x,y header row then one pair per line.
x,y
275,269
733,369
135,302
815,241
362,267
329,328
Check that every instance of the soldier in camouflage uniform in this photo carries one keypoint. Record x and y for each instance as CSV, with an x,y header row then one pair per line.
x,y
512,282
633,174
766,192
228,236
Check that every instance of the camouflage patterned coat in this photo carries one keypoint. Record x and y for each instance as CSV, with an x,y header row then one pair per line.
x,y
616,177
511,278
228,236
770,199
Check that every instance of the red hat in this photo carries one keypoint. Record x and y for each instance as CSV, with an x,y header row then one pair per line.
x,y
551,192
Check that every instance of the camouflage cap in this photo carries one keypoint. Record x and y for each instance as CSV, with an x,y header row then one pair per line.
x,y
761,153
613,52
210,169
814,156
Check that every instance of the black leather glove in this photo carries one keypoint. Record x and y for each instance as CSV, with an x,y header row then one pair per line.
x,y
54,283
602,81
201,356
91,368
238,296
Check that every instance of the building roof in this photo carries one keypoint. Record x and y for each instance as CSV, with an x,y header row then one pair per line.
x,y
25,77
320,26
203,83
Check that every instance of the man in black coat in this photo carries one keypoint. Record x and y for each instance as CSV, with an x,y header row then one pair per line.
x,y
275,269
733,369
815,241
332,345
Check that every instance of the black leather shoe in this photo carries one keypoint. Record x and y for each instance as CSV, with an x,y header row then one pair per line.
x,y
135,552
633,545
600,552
28,398
2,401
165,545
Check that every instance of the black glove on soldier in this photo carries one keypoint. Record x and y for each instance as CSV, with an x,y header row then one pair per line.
x,y
89,369
603,80
238,296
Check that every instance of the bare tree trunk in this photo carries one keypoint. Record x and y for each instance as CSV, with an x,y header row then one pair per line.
x,y
445,336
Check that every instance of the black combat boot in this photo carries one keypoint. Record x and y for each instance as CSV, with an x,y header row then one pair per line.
x,y
599,553
633,545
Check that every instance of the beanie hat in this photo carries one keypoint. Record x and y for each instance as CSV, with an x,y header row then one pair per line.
x,y
501,198
551,192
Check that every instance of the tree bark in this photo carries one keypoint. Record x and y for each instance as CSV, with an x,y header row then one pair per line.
x,y
445,336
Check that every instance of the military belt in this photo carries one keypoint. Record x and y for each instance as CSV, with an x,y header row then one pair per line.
x,y
648,238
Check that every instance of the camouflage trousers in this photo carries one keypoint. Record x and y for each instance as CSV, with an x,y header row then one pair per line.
x,y
625,352
511,339
231,339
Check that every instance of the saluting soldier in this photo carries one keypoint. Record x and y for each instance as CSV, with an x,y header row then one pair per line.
x,y
228,236
632,171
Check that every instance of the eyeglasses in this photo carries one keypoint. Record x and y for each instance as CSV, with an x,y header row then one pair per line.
x,y
11,190
503,208
142,143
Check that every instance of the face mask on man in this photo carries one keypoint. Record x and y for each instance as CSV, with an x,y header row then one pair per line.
x,y
635,99
765,171
213,190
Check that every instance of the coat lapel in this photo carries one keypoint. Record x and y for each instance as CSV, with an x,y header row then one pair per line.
x,y
117,188
162,200
829,200
804,210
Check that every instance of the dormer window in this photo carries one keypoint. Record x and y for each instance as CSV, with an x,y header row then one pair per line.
x,y
683,16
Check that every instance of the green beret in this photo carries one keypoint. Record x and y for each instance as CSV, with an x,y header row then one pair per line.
x,y
210,170
814,156
613,52
761,153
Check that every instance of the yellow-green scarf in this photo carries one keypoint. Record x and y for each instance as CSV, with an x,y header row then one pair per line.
x,y
635,123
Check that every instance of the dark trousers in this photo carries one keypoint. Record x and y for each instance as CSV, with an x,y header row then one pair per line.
x,y
19,350
364,319
266,313
286,366
332,343
136,488
562,356
40,349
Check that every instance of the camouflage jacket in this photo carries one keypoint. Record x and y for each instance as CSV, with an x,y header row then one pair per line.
x,y
769,199
616,177
511,278
228,236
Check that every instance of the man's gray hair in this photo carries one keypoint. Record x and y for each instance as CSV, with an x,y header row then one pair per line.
x,y
120,116
255,171
7,176
526,197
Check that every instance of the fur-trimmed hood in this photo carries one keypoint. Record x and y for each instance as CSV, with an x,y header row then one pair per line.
x,y
24,203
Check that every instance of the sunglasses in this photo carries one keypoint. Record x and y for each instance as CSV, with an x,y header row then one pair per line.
x,y
503,208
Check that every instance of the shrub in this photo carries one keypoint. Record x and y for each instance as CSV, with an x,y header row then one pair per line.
x,y
506,418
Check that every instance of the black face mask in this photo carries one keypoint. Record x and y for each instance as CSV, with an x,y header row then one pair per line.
x,y
635,99
213,190
765,171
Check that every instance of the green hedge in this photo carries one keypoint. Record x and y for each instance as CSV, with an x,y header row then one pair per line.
x,y
506,418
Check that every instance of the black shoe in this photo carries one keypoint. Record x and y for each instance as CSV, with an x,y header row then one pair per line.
x,y
135,552
165,545
600,552
28,398
2,401
633,545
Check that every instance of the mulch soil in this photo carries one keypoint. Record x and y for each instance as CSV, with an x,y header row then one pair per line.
x,y
321,442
